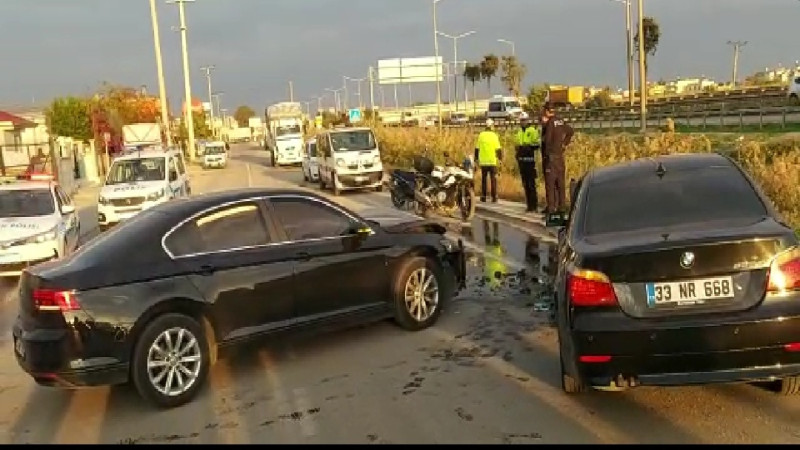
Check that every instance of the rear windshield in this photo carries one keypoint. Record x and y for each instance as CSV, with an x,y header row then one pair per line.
x,y
689,196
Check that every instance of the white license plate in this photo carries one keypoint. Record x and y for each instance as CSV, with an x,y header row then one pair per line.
x,y
19,347
361,179
9,258
689,292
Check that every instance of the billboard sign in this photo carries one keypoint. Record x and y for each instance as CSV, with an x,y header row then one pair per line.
x,y
410,70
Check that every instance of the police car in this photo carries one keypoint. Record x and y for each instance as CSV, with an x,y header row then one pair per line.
x,y
140,180
38,223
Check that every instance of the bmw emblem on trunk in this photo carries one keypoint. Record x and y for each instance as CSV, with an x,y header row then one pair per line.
x,y
687,260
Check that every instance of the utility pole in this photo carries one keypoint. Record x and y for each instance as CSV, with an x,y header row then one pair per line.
x,y
187,85
436,63
162,90
291,92
207,70
642,71
371,90
629,51
346,95
737,47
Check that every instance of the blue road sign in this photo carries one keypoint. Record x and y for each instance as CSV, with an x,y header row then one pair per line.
x,y
354,115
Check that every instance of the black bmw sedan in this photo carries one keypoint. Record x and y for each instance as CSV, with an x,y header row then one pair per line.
x,y
152,301
675,271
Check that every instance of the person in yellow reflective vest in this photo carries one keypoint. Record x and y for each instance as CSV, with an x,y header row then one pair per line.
x,y
494,267
528,142
488,153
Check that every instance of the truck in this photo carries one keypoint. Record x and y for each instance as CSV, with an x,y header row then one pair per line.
x,y
567,96
239,134
285,129
256,129
142,135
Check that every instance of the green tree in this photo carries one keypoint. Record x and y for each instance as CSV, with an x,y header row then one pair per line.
x,y
70,117
243,114
601,99
201,128
513,73
652,36
489,67
473,74
537,96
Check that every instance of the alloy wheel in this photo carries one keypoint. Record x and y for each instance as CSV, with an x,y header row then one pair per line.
x,y
174,361
421,294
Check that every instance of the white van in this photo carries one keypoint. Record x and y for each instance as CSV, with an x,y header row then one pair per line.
x,y
310,163
794,87
215,154
138,181
349,158
505,108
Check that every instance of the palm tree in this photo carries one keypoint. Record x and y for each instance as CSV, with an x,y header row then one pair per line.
x,y
489,67
473,74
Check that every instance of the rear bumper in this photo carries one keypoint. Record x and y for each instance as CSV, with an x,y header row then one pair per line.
x,y
740,351
53,358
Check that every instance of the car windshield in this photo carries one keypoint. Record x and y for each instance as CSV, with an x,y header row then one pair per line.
x,y
684,197
514,104
136,170
26,203
282,131
215,150
353,140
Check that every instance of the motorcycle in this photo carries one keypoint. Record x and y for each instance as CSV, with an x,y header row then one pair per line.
x,y
431,188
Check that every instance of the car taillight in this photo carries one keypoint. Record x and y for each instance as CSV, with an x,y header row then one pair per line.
x,y
784,272
55,300
590,288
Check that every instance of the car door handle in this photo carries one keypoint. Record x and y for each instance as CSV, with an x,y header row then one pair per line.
x,y
304,256
207,269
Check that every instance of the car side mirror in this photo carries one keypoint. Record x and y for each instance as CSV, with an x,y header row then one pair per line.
x,y
173,176
556,220
67,209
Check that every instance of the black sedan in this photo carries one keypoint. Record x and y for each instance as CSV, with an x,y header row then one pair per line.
x,y
152,301
676,271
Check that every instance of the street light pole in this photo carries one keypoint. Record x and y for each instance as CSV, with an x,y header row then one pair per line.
x,y
455,59
335,98
436,63
737,47
291,91
629,46
162,90
371,90
346,99
216,96
513,46
187,85
207,70
642,71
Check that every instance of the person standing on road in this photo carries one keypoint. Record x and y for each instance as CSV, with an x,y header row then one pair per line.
x,y
488,153
556,136
528,141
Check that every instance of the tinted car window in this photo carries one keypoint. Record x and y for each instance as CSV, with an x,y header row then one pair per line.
x,y
688,196
235,226
304,219
495,107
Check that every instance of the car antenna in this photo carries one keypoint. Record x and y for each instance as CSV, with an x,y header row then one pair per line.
x,y
660,170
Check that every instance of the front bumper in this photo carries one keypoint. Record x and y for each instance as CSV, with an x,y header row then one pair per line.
x,y
108,215
16,259
360,180
456,262
743,350
66,358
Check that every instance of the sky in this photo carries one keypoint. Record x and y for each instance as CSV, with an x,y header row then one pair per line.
x,y
68,47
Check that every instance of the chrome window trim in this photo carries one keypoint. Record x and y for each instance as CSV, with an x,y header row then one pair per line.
x,y
250,247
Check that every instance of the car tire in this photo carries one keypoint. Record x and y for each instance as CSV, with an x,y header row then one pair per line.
x,y
336,190
414,271
321,183
379,188
570,384
305,176
143,356
790,386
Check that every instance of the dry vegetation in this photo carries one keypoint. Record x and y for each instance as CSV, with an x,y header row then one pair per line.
x,y
774,162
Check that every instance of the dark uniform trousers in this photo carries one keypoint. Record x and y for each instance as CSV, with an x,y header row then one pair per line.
x,y
489,172
555,169
527,172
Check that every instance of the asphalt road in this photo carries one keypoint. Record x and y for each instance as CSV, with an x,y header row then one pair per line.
x,y
487,373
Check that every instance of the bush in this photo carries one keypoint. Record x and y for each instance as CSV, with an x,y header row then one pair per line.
x,y
774,163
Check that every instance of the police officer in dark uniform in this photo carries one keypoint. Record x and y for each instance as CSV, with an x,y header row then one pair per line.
x,y
528,143
556,136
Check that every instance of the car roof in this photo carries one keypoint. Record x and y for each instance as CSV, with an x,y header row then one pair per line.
x,y
150,153
648,166
347,129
